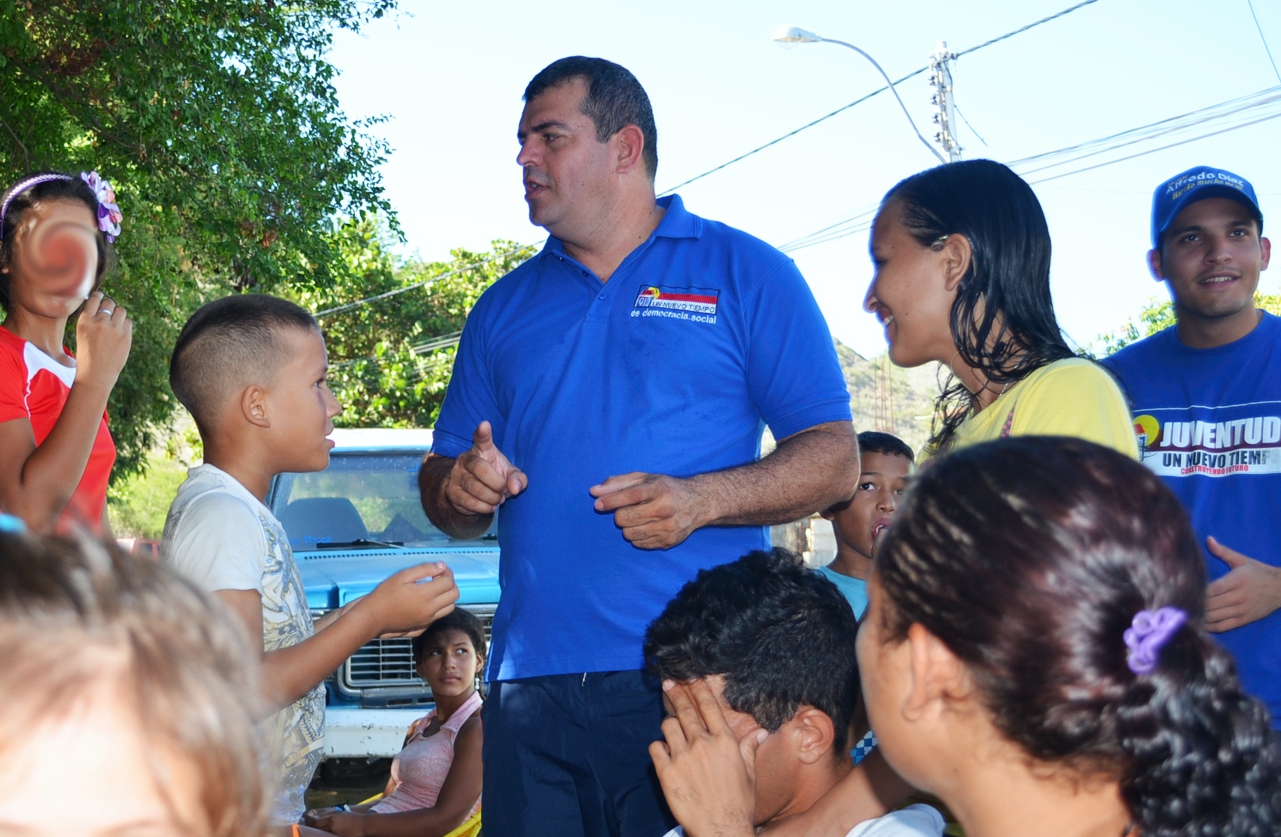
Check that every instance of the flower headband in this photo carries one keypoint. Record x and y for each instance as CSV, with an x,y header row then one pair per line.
x,y
109,215
1150,630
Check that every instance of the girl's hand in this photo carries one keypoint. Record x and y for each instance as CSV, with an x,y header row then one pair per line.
x,y
104,334
342,824
310,817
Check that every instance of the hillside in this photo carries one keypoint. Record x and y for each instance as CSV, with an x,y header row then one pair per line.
x,y
912,393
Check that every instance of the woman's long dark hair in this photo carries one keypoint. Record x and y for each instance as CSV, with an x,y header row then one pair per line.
x,y
1029,557
1002,320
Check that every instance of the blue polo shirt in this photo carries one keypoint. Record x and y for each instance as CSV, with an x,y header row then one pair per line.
x,y
702,337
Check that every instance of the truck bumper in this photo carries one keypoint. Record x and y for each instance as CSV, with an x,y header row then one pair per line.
x,y
351,732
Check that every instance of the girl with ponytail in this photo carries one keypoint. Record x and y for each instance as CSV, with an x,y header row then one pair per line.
x,y
1035,654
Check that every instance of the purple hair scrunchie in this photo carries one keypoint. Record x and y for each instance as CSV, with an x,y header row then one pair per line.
x,y
1150,630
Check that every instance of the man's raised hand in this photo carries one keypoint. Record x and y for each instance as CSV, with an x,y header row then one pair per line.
x,y
482,477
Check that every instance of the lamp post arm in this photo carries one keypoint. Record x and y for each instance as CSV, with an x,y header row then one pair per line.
x,y
890,84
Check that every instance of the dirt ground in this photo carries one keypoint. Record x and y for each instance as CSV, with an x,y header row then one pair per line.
x,y
339,784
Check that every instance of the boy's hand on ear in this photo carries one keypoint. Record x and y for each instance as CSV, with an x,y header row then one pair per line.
x,y
482,477
707,774
412,599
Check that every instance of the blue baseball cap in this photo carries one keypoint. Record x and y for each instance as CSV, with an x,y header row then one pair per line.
x,y
1198,184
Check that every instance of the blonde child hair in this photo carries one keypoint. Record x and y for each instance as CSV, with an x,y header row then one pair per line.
x,y
79,619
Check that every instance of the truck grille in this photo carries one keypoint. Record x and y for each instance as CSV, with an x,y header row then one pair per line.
x,y
389,663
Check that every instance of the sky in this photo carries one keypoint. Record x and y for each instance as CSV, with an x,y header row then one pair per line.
x,y
449,77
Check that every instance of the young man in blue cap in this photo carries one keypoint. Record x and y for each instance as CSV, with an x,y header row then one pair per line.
x,y
1206,396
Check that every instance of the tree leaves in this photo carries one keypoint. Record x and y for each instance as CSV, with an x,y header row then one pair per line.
x,y
218,124
390,359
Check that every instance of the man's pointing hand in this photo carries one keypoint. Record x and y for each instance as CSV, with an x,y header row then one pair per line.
x,y
482,477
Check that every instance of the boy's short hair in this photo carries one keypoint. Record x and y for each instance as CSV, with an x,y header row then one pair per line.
x,y
225,343
77,615
781,635
872,441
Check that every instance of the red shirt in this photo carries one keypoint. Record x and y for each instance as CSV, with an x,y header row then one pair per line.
x,y
35,386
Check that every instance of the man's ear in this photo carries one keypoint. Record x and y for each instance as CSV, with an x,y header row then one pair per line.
x,y
1265,252
937,676
958,256
253,406
629,143
812,733
1154,264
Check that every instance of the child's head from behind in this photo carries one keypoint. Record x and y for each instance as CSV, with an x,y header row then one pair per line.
x,y
776,643
255,365
1000,602
885,466
451,653
128,699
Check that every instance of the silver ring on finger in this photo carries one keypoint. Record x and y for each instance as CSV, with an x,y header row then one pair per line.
x,y
107,311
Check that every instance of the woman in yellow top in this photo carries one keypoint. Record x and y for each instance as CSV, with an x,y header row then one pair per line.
x,y
962,258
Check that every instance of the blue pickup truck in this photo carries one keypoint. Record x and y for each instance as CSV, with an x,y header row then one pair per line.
x,y
351,526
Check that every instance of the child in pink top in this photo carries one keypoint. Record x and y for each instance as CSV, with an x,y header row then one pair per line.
x,y
422,767
436,780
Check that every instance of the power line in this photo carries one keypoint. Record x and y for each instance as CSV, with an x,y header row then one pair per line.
x,y
1023,29
425,283
1193,120
1266,48
791,134
430,281
875,92
1161,148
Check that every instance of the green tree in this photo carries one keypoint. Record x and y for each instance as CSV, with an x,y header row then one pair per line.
x,y
1157,316
218,124
390,359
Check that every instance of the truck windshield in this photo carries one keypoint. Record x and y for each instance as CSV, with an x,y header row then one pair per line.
x,y
362,500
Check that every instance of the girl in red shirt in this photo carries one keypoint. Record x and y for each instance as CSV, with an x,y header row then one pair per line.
x,y
55,450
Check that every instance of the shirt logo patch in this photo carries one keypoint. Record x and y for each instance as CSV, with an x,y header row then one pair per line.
x,y
1249,445
694,304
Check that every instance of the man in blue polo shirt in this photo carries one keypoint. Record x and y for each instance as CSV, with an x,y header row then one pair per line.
x,y
610,395
1206,396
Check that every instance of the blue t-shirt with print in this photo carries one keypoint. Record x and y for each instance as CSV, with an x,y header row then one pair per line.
x,y
1209,423
701,338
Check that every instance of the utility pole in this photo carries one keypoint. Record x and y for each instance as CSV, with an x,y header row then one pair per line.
x,y
944,113
883,397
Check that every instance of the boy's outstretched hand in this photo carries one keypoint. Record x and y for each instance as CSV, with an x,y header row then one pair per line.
x,y
407,602
707,774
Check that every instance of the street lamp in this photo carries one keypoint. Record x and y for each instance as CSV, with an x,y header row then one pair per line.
x,y
785,34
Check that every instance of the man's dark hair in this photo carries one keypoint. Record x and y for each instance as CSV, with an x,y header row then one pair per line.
x,y
614,99
781,635
872,441
226,342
